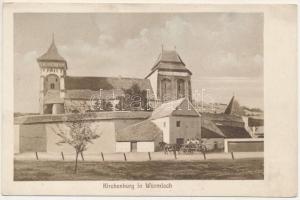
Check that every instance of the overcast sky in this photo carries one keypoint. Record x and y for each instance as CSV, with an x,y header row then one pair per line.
x,y
224,51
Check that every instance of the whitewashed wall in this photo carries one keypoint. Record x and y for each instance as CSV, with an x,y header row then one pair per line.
x,y
190,127
164,125
145,147
123,147
105,143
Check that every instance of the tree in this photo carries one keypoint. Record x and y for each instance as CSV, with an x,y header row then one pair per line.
x,y
101,105
78,135
135,99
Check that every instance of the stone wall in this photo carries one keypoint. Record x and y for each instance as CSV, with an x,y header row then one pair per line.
x,y
39,133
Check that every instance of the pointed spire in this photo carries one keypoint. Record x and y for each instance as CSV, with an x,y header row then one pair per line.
x,y
53,41
233,107
52,53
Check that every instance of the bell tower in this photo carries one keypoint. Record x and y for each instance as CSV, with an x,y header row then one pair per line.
x,y
170,78
53,69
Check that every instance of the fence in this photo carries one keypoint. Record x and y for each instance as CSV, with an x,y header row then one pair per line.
x,y
147,156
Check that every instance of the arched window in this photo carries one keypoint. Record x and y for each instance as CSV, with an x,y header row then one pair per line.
x,y
52,82
165,89
180,88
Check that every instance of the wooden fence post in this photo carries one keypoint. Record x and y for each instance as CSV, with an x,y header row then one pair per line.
x,y
125,157
204,155
36,156
175,156
149,155
102,156
82,156
62,155
232,156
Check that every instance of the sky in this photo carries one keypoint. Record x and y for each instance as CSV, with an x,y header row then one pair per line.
x,y
224,51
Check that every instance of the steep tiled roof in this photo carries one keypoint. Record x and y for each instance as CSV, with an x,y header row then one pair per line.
x,y
234,132
178,107
210,130
208,133
169,61
166,109
231,126
86,87
52,54
93,95
143,131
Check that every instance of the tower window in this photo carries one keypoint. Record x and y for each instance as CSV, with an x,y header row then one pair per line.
x,y
177,123
56,79
180,88
52,85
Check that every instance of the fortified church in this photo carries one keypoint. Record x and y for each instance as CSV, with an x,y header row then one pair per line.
x,y
168,80
173,121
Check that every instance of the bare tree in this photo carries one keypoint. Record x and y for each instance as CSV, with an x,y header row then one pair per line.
x,y
78,134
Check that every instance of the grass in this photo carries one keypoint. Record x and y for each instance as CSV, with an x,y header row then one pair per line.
x,y
242,169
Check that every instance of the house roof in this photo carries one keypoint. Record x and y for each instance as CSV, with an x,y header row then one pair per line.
x,y
234,132
230,126
178,107
169,60
93,95
143,131
207,133
86,87
48,118
210,130
52,54
233,107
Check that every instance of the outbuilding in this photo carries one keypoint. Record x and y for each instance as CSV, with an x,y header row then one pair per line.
x,y
141,137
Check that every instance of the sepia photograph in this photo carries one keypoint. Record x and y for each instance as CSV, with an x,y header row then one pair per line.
x,y
149,99
114,96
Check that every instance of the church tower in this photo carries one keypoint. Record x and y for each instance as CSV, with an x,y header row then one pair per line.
x,y
53,68
169,77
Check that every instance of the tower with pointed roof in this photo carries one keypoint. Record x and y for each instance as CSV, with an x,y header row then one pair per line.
x,y
53,68
233,107
170,78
